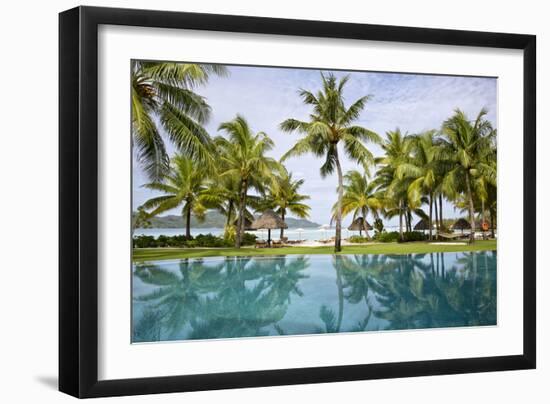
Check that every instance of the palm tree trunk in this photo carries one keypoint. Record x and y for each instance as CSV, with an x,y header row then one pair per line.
x,y
470,208
188,222
240,221
365,224
401,219
282,229
436,217
338,240
440,212
229,210
482,217
492,217
430,218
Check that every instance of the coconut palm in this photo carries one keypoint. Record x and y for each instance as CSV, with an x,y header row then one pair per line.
x,y
332,124
396,152
227,189
243,155
184,185
360,197
422,168
164,92
467,145
283,196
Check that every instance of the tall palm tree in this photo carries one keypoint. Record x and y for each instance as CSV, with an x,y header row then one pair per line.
x,y
467,143
244,156
360,197
422,168
283,196
165,91
184,185
332,124
396,152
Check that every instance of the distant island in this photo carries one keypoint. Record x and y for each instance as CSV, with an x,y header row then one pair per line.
x,y
214,219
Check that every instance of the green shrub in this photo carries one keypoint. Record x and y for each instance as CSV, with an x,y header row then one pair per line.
x,y
413,236
181,241
209,240
358,239
144,241
387,236
249,239
393,236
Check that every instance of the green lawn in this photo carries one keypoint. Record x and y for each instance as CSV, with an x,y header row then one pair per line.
x,y
154,254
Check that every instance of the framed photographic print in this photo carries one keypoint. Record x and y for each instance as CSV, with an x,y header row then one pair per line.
x,y
251,201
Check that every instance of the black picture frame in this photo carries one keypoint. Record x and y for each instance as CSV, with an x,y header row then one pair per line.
x,y
78,196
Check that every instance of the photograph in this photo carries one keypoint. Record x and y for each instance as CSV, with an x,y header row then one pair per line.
x,y
276,201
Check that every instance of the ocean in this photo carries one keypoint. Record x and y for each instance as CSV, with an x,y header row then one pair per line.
x,y
310,234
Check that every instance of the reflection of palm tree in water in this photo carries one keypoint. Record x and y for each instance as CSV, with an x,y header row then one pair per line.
x,y
240,297
235,298
353,277
241,310
178,293
417,295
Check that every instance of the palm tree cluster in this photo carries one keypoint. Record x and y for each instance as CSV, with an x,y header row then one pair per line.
x,y
234,174
230,173
456,162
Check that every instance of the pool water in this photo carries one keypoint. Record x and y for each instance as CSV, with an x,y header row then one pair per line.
x,y
311,294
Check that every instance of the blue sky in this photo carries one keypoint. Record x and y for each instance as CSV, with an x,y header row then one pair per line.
x,y
267,96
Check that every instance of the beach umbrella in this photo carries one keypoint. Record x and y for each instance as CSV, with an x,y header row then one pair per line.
x,y
360,224
324,229
269,220
461,224
300,230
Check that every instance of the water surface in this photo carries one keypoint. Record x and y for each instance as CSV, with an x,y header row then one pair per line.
x,y
311,294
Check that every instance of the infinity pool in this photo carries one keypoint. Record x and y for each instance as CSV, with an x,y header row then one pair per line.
x,y
312,294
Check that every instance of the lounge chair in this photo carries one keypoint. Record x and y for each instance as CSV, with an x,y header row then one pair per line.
x,y
260,244
276,243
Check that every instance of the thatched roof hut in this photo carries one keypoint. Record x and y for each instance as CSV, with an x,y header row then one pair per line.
x,y
422,225
360,224
247,223
461,224
269,220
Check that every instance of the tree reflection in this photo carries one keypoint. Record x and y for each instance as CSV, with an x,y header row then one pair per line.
x,y
238,297
246,297
420,294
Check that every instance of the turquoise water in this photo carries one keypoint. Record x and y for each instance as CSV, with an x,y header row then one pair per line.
x,y
288,295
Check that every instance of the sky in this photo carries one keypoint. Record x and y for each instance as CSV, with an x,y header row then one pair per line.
x,y
266,96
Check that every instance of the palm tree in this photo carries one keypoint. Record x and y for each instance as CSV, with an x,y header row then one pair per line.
x,y
331,124
467,144
396,152
283,196
243,156
184,185
422,168
360,197
165,90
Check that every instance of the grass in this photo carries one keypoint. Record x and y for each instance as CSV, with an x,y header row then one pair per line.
x,y
155,254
